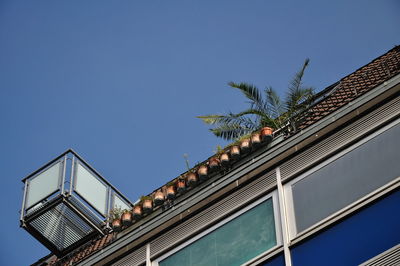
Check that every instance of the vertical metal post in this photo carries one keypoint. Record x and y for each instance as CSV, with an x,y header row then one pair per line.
x,y
148,261
109,195
284,222
71,179
63,175
23,200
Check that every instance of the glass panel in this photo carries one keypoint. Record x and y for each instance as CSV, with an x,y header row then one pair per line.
x,y
91,188
347,179
43,185
120,203
234,243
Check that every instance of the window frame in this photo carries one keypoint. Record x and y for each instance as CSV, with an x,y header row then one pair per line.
x,y
277,224
288,191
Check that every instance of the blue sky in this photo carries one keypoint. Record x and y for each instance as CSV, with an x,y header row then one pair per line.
x,y
122,81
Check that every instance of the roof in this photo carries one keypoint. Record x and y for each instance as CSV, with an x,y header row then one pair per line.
x,y
354,85
326,102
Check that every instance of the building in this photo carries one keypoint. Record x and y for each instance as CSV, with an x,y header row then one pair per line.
x,y
326,195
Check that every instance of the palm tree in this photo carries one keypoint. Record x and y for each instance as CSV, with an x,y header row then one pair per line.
x,y
266,110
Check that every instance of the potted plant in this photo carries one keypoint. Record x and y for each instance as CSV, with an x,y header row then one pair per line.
x,y
115,217
126,217
202,172
255,139
191,178
147,204
158,198
180,185
266,134
171,190
137,212
244,144
213,163
234,151
224,158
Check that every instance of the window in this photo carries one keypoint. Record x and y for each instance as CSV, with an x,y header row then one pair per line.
x,y
345,178
234,241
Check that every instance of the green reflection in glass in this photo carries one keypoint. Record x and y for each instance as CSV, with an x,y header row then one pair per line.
x,y
234,243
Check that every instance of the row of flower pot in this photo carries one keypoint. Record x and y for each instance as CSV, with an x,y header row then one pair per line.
x,y
198,174
241,147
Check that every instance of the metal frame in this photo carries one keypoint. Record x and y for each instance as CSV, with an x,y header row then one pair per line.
x,y
72,200
27,183
275,205
288,186
74,190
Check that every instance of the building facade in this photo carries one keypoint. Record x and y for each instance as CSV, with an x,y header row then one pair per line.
x,y
326,195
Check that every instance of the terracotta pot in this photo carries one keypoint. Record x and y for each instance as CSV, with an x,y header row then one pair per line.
x,y
158,198
202,172
266,134
137,212
126,218
191,179
256,139
180,185
116,225
213,163
147,206
224,158
235,152
245,145
171,192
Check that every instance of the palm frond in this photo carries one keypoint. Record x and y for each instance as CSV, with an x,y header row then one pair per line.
x,y
251,92
228,120
295,83
269,111
211,119
231,132
274,104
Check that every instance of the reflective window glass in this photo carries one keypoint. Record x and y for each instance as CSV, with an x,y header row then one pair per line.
x,y
347,179
233,243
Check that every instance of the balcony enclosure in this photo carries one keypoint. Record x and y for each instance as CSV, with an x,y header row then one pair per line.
x,y
66,203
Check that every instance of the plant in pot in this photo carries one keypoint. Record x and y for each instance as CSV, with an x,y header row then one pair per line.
x,y
126,217
224,158
244,143
214,163
171,190
256,139
115,217
158,198
234,150
191,178
202,172
137,212
266,109
266,134
147,204
180,185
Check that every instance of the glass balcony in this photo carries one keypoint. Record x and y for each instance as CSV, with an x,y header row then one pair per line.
x,y
66,203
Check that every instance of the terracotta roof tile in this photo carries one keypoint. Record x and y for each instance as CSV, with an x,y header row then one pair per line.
x,y
354,85
84,251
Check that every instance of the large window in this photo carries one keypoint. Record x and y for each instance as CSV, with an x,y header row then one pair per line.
x,y
345,178
232,242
